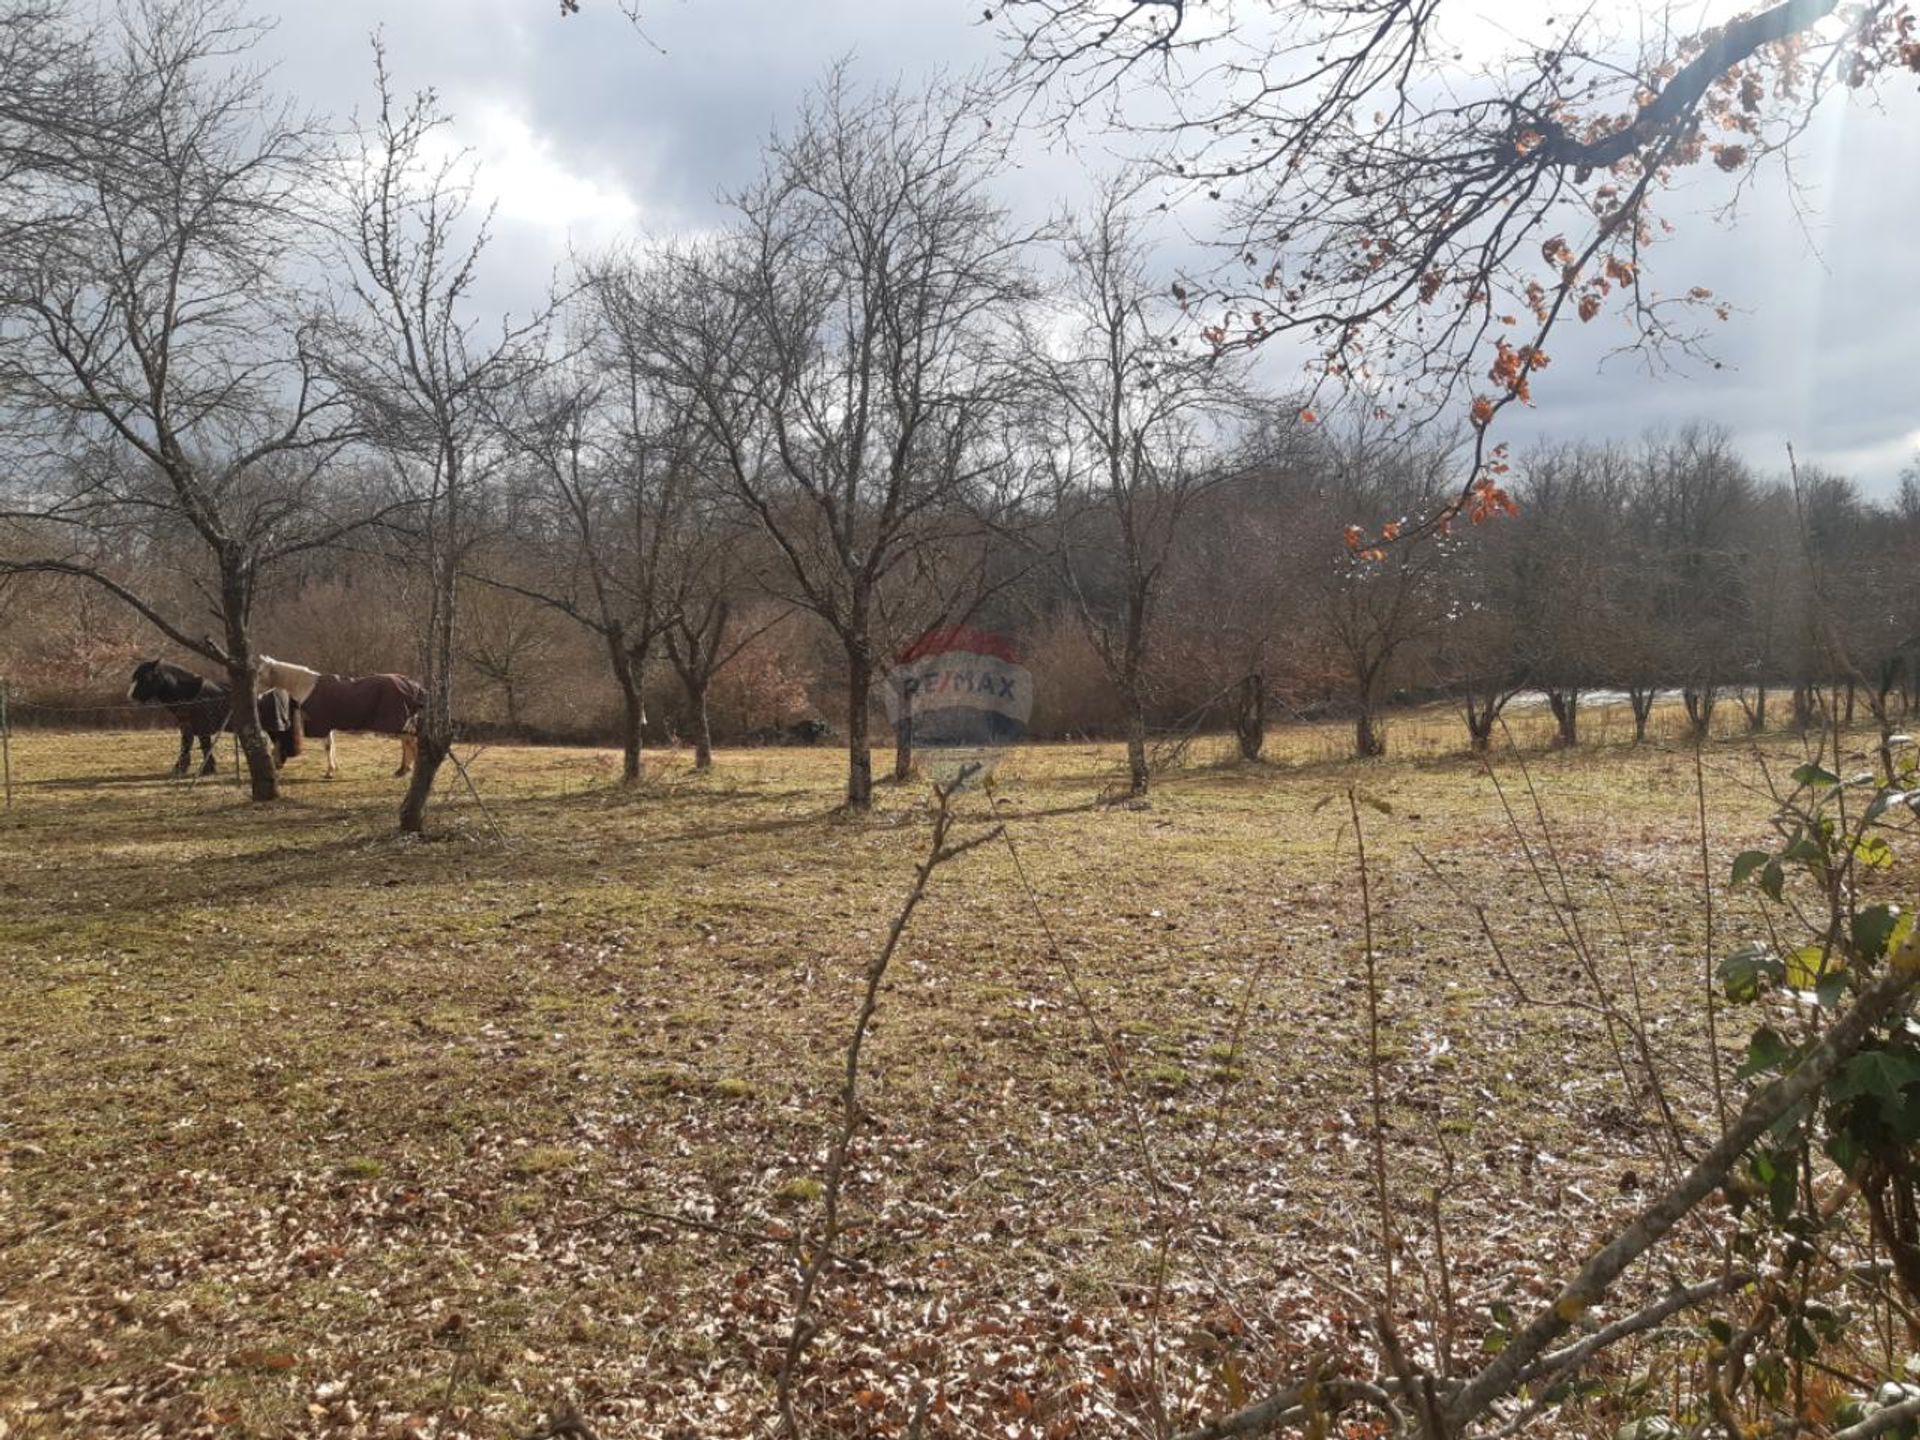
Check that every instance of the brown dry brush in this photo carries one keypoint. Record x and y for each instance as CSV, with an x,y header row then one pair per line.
x,y
1781,1275
1527,1360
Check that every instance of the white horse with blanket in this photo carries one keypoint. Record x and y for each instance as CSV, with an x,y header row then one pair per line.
x,y
377,704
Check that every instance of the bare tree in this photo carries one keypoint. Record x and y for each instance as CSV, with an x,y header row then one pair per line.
x,y
54,110
1693,499
719,557
1477,650
842,349
685,551
507,641
613,482
155,354
430,386
1854,570
1133,428
978,559
1374,603
1564,554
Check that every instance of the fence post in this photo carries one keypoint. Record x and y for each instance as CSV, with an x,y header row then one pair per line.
x,y
6,742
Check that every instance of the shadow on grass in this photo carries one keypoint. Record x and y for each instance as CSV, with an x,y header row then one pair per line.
x,y
146,779
358,847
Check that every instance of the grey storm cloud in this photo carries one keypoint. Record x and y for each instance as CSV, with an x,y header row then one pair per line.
x,y
588,132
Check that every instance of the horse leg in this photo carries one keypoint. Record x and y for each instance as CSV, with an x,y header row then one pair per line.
x,y
331,765
409,751
186,754
207,766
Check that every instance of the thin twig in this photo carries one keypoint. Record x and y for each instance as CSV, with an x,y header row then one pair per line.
x,y
1706,897
939,853
1381,1195
485,813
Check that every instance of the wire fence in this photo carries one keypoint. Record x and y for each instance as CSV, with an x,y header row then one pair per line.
x,y
106,715
17,716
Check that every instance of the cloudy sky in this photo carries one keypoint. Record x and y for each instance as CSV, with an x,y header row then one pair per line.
x,y
588,133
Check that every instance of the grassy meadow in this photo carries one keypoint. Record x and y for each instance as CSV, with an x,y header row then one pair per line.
x,y
306,1129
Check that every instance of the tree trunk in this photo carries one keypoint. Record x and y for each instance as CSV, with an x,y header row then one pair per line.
x,y
1565,705
430,754
1756,709
1250,720
1642,703
633,719
627,672
1699,703
1880,703
1368,742
633,710
1138,778
435,723
859,750
702,729
263,775
694,681
1480,721
1803,707
903,741
1850,697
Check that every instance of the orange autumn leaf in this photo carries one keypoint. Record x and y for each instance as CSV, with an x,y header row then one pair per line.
x,y
1488,501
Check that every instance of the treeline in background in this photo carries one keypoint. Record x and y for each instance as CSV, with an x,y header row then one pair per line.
x,y
1664,567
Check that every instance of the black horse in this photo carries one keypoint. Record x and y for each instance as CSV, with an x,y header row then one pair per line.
x,y
203,709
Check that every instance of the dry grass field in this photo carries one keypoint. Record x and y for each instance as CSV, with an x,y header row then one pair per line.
x,y
309,1130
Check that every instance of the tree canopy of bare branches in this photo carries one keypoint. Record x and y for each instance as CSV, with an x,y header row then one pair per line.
x,y
842,348
429,382
1424,221
1133,426
156,355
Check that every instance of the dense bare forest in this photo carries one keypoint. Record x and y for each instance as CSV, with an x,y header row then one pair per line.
x,y
1651,566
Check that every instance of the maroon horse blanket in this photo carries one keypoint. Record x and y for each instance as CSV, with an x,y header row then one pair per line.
x,y
382,704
